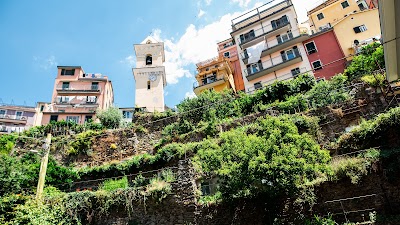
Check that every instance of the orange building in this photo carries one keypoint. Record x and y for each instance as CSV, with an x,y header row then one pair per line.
x,y
214,74
228,49
76,96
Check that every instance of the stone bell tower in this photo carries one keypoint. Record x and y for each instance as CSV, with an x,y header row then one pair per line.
x,y
149,75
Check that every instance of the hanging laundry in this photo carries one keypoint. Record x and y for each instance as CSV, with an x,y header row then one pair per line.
x,y
255,51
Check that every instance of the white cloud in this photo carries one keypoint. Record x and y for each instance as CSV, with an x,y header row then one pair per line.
x,y
195,45
45,63
242,3
201,13
129,60
208,2
190,95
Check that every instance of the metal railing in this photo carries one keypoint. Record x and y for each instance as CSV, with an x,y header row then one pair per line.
x,y
260,32
268,82
13,117
208,80
276,42
208,62
271,62
259,13
84,88
93,76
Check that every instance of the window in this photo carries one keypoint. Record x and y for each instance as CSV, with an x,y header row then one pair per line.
x,y
311,48
65,85
254,68
149,60
289,54
73,119
345,4
360,29
91,99
257,85
247,36
2,113
228,44
18,115
63,99
148,85
226,54
295,71
41,108
362,5
284,37
95,86
88,118
66,72
317,65
54,118
280,22
320,16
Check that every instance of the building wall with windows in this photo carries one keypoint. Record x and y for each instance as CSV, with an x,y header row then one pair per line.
x,y
228,49
269,42
214,74
324,15
16,118
325,54
356,29
76,96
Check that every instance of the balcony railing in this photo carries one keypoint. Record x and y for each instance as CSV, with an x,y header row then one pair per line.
x,y
207,80
284,77
263,31
13,117
75,102
269,65
93,76
259,13
274,45
78,88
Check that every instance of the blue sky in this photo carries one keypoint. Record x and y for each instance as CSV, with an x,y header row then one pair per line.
x,y
99,36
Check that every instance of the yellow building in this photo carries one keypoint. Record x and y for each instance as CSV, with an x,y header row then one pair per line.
x,y
357,29
324,15
214,74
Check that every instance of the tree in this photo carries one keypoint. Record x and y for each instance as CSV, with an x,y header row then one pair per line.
x,y
110,118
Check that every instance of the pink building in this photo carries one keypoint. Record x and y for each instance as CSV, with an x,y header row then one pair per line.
x,y
76,96
228,49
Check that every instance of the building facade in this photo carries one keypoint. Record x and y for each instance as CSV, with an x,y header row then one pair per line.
x,y
214,74
357,30
390,22
269,41
325,14
228,49
16,118
149,74
325,54
76,96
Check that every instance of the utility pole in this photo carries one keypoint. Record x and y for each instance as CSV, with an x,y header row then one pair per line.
x,y
43,168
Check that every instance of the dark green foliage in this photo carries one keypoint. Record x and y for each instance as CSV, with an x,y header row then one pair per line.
x,y
275,160
380,131
370,60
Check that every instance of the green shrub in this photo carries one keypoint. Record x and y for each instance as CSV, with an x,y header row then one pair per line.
x,y
82,142
7,143
110,118
374,80
114,184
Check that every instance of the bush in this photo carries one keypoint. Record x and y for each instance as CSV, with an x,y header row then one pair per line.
x,y
111,184
7,143
374,80
110,118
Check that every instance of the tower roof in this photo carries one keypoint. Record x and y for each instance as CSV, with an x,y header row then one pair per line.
x,y
149,40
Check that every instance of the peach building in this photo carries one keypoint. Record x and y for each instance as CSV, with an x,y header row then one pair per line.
x,y
214,74
15,118
269,42
326,13
76,96
228,49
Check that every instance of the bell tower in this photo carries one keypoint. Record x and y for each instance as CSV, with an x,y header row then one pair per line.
x,y
149,75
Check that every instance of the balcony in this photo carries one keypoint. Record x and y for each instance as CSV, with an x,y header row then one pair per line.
x,y
72,89
290,39
251,38
259,13
93,76
270,65
275,79
13,119
208,82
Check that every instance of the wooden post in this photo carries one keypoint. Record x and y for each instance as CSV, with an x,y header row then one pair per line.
x,y
43,168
